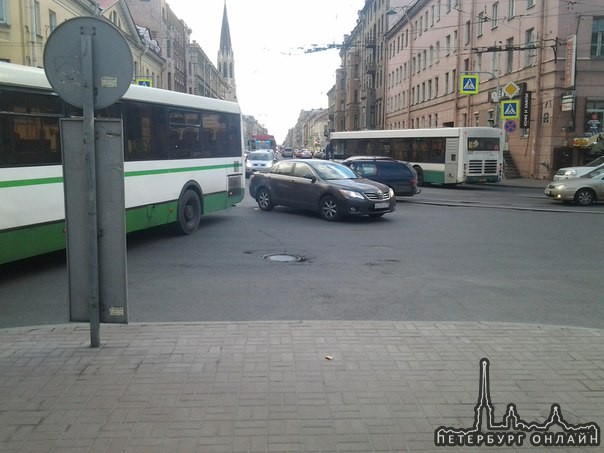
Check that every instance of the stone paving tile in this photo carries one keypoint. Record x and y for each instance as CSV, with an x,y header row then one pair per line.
x,y
285,386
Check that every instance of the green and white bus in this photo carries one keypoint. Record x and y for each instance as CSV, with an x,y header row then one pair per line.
x,y
183,158
452,155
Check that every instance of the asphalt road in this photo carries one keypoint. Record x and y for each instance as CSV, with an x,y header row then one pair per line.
x,y
485,253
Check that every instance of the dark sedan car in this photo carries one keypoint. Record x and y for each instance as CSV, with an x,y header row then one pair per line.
x,y
329,188
394,173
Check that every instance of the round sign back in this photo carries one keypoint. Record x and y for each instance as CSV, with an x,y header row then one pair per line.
x,y
111,61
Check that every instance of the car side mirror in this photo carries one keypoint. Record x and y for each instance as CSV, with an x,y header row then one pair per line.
x,y
310,176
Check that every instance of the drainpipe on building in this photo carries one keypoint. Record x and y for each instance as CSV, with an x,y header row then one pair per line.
x,y
32,32
537,121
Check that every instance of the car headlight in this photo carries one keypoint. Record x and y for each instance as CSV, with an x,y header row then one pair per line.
x,y
560,186
570,172
351,194
248,164
391,192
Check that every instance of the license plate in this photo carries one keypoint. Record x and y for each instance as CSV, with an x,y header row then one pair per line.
x,y
382,205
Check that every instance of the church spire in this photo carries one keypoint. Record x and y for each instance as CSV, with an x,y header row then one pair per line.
x,y
225,34
226,60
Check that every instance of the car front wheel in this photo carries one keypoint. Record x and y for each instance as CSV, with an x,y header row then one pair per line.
x,y
264,200
328,208
585,197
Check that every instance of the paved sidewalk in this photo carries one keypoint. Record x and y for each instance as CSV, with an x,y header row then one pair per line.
x,y
319,386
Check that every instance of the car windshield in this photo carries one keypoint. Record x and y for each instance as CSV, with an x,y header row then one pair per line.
x,y
596,162
329,170
595,173
260,156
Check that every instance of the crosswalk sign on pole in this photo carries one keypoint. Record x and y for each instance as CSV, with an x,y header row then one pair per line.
x,y
144,81
468,84
510,110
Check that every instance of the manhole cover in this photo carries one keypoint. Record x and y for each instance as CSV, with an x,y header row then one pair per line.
x,y
282,258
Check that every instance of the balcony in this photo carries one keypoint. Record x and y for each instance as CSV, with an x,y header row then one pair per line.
x,y
370,68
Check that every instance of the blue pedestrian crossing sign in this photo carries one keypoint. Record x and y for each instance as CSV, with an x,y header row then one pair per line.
x,y
510,110
144,82
468,84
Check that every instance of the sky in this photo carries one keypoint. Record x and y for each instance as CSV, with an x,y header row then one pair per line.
x,y
275,77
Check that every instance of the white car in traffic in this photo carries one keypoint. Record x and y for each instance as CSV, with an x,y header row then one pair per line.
x,y
576,172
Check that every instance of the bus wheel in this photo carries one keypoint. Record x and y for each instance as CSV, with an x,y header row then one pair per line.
x,y
328,208
189,212
420,176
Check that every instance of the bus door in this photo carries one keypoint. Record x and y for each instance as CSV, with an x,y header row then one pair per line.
x,y
452,157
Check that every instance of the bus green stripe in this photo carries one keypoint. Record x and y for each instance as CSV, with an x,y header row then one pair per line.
x,y
59,179
31,182
161,171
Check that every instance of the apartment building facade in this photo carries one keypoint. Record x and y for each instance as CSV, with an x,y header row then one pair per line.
x,y
26,25
548,55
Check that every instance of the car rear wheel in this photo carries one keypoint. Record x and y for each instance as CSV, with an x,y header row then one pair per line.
x,y
585,197
420,176
264,200
328,208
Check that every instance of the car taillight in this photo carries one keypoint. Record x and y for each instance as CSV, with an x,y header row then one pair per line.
x,y
413,181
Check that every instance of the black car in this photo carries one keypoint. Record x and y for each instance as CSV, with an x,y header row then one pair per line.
x,y
398,175
329,188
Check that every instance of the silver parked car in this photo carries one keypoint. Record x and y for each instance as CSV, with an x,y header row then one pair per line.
x,y
575,172
585,190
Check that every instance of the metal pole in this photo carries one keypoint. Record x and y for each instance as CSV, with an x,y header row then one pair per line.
x,y
88,133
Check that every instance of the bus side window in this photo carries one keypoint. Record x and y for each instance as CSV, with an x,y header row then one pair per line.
x,y
143,137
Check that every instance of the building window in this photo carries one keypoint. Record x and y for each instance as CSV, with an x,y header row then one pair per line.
x,y
37,24
597,37
3,12
530,52
448,45
467,33
453,79
511,9
495,15
481,20
530,3
52,20
509,64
